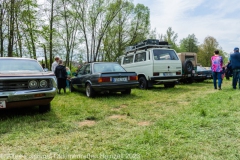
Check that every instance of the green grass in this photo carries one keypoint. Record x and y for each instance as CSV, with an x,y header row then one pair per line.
x,y
186,122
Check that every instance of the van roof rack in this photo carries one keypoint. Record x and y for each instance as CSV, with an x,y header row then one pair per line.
x,y
149,43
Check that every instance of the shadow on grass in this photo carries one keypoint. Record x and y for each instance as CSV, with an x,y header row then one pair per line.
x,y
27,118
106,94
23,113
18,112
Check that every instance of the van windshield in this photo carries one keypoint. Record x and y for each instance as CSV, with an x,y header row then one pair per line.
x,y
164,55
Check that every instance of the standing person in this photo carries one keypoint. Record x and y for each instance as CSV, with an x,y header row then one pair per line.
x,y
217,65
55,63
61,74
235,63
68,76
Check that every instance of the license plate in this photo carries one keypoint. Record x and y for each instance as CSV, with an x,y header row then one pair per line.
x,y
209,76
167,74
122,79
189,75
2,104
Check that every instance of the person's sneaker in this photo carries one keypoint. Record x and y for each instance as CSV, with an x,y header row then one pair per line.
x,y
219,88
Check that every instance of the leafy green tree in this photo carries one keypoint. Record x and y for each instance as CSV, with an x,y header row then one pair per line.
x,y
28,17
121,33
189,44
140,24
171,38
206,51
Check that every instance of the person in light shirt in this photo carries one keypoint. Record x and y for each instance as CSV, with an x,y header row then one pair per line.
x,y
55,63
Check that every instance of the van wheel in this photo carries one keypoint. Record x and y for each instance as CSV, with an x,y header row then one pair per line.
x,y
169,85
189,80
143,83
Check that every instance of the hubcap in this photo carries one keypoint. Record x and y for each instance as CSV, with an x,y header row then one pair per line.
x,y
88,90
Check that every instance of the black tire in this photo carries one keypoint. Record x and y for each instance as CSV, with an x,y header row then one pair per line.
x,y
188,67
71,89
44,108
89,91
127,91
200,80
143,83
189,80
169,85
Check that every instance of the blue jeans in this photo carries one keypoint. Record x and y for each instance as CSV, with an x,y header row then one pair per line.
x,y
67,83
217,76
236,78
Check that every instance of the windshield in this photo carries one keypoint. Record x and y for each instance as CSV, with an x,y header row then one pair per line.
x,y
19,65
108,67
164,55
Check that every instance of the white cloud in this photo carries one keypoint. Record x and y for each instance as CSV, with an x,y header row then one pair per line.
x,y
219,19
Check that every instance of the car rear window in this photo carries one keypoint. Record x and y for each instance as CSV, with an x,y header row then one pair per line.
x,y
13,65
108,67
164,55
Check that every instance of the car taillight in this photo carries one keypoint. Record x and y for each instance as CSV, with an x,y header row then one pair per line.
x,y
133,78
155,74
178,73
104,79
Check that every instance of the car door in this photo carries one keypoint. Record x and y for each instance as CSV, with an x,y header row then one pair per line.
x,y
77,81
86,76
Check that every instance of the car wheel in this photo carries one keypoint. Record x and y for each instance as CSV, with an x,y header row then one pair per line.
x,y
169,85
44,108
188,67
127,91
89,91
200,80
189,80
71,89
143,83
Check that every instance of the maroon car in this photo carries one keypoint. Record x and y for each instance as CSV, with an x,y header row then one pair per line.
x,y
23,82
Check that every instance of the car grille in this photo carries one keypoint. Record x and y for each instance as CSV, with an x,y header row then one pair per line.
x,y
18,85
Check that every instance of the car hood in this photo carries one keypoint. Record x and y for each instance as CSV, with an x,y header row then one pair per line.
x,y
25,73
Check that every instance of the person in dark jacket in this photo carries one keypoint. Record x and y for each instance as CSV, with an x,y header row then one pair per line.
x,y
61,74
235,62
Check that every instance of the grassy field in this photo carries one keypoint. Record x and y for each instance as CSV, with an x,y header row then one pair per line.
x,y
186,122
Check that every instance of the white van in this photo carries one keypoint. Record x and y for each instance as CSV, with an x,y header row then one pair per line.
x,y
154,62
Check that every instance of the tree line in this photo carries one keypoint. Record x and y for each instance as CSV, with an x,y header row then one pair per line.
x,y
89,30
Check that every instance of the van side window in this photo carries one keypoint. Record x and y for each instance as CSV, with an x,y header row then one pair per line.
x,y
140,57
164,55
128,59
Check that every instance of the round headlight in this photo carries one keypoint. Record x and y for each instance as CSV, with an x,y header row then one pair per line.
x,y
43,84
33,84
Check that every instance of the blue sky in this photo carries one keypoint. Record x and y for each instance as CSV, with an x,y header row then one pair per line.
x,y
217,18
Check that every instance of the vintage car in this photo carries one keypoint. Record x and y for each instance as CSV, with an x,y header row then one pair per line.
x,y
99,77
202,74
23,83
